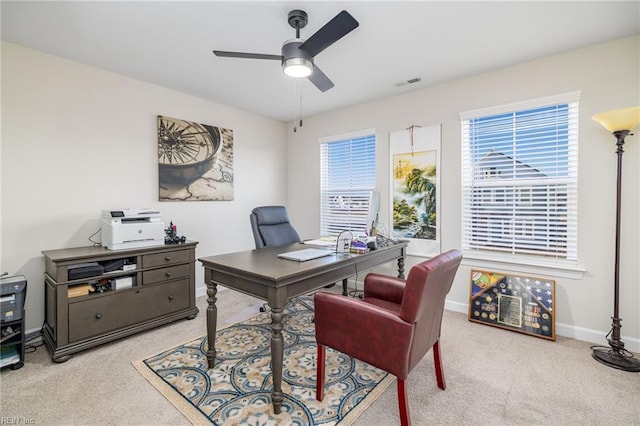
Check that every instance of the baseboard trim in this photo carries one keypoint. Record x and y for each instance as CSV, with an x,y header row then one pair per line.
x,y
594,336
565,330
33,337
456,307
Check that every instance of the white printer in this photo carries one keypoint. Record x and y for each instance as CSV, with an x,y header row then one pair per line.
x,y
132,228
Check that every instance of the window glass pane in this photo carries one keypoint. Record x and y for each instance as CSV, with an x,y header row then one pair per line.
x,y
520,181
347,177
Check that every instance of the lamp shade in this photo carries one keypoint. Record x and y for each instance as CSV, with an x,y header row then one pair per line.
x,y
619,119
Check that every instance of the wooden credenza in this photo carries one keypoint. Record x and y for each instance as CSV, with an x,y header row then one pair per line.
x,y
162,290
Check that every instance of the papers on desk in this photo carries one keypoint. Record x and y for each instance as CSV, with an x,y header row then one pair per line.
x,y
322,242
305,254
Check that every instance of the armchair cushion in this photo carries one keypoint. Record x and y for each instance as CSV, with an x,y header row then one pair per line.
x,y
428,285
383,290
365,331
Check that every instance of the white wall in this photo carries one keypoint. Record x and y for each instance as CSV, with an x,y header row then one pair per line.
x,y
76,140
608,76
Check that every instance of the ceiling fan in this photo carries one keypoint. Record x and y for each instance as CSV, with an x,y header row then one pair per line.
x,y
298,55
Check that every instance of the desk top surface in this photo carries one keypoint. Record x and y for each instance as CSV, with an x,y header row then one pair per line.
x,y
265,262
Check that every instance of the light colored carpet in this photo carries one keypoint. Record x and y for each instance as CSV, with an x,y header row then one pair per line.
x,y
493,376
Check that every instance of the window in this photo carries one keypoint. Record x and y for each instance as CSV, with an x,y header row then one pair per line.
x,y
347,175
519,178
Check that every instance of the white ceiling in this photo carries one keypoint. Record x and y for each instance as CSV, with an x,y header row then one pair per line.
x,y
170,43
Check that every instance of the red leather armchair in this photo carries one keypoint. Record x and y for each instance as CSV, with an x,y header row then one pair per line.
x,y
393,327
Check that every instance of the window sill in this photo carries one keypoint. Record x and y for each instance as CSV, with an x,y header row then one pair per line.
x,y
557,269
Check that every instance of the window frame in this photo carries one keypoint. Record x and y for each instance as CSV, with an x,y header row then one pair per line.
x,y
568,264
358,209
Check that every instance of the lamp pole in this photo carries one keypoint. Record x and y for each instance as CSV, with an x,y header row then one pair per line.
x,y
615,342
616,356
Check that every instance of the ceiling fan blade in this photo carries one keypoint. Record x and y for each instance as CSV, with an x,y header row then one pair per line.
x,y
341,25
224,54
320,79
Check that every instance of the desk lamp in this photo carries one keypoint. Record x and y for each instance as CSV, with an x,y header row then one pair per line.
x,y
620,122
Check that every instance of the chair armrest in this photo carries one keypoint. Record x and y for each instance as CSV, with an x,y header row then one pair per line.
x,y
363,331
384,287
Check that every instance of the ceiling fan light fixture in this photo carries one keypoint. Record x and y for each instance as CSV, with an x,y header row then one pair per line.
x,y
297,67
297,58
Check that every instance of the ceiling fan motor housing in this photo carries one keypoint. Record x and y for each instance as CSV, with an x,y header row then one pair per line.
x,y
291,49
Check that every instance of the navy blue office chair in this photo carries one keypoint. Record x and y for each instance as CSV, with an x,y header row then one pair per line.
x,y
271,227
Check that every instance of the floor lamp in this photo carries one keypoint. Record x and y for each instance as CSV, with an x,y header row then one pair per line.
x,y
620,122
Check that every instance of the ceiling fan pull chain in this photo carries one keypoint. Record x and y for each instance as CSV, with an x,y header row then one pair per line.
x,y
300,110
297,93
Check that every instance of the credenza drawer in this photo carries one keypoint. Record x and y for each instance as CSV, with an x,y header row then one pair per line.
x,y
165,274
108,313
167,258
163,291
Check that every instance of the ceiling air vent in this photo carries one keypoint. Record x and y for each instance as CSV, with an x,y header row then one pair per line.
x,y
410,81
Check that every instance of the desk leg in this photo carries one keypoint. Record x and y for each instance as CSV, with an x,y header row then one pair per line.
x,y
277,353
212,319
344,287
401,267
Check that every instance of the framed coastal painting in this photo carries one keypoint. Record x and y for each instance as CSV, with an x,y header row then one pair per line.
x,y
195,161
415,188
513,302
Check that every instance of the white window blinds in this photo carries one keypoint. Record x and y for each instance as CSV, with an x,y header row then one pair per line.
x,y
520,175
347,175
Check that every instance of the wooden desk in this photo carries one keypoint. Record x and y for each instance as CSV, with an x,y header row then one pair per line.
x,y
262,274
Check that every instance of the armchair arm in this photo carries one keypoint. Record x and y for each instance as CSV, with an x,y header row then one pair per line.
x,y
364,331
384,287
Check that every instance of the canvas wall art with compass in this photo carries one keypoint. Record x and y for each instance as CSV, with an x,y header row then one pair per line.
x,y
513,302
195,161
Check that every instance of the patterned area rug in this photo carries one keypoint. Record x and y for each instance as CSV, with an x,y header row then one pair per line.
x,y
238,390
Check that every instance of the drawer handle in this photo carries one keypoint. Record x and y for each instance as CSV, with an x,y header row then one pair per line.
x,y
167,274
171,297
98,315
167,258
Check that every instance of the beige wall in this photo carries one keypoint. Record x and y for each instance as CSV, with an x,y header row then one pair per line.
x,y
608,75
77,140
